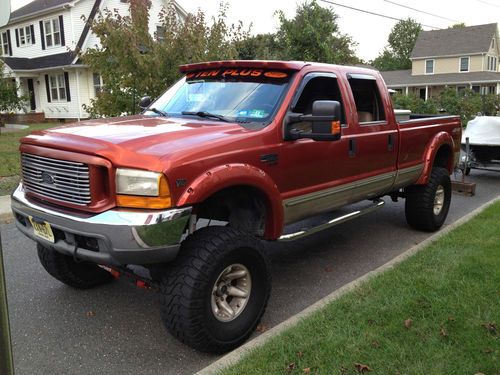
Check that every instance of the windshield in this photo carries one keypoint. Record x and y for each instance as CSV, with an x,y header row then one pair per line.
x,y
239,95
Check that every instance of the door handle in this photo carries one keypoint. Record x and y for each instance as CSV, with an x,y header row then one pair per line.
x,y
352,148
390,142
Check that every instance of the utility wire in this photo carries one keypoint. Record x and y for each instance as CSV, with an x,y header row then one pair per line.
x,y
373,13
420,11
490,4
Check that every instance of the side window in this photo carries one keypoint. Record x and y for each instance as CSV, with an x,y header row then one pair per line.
x,y
318,88
367,99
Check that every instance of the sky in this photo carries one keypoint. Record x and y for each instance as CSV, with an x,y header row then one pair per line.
x,y
370,32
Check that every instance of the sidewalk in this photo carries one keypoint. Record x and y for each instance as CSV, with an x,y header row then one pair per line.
x,y
5,212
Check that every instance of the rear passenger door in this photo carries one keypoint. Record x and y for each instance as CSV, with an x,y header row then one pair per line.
x,y
373,142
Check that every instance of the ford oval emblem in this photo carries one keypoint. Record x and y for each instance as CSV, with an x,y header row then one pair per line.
x,y
47,178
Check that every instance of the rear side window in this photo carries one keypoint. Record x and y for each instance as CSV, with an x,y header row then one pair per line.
x,y
367,99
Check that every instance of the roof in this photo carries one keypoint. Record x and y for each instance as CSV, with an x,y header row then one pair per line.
x,y
50,61
36,7
465,40
399,78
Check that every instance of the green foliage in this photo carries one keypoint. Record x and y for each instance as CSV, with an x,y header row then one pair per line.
x,y
313,35
9,100
459,25
466,103
133,63
259,47
400,45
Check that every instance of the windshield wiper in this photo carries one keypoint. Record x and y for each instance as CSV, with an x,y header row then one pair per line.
x,y
206,114
158,111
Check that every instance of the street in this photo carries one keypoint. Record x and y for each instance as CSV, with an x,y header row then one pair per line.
x,y
117,329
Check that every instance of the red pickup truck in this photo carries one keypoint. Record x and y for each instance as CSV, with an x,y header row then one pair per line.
x,y
224,160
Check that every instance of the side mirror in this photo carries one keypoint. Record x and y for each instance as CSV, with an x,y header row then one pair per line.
x,y
325,120
145,102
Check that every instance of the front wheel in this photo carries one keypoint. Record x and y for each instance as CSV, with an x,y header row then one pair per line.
x,y
215,293
427,206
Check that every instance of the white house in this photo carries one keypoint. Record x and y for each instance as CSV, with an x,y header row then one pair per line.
x,y
40,46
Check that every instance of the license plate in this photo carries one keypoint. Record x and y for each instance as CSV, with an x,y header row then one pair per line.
x,y
42,229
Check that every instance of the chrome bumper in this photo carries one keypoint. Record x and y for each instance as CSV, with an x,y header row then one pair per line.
x,y
114,237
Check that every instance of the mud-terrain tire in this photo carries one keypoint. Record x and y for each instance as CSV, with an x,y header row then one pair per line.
x,y
427,206
193,286
79,275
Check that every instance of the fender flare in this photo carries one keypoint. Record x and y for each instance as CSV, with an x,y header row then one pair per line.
x,y
238,174
440,139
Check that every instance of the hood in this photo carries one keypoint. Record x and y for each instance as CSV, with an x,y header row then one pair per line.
x,y
137,141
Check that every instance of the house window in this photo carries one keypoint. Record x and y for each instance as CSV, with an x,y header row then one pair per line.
x,y
98,84
464,64
25,35
493,43
492,63
160,33
429,66
57,86
476,88
52,32
461,88
5,44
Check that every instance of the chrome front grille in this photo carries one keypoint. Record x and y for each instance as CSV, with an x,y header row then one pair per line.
x,y
62,180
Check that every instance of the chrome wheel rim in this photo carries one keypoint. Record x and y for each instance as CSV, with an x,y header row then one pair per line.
x,y
231,292
439,200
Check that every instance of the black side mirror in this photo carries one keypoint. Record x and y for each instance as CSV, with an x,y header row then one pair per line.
x,y
325,120
145,102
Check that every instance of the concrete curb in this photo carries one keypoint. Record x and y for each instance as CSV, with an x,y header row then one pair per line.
x,y
237,354
5,211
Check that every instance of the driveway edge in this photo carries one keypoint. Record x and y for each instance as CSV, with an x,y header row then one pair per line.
x,y
5,211
237,354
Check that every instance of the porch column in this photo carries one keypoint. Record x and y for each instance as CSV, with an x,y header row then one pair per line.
x,y
19,90
426,92
406,90
498,88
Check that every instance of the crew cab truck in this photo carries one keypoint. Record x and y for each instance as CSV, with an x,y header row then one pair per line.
x,y
224,160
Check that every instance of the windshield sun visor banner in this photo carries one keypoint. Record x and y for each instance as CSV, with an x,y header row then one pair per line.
x,y
238,74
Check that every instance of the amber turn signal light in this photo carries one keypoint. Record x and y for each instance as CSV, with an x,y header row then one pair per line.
x,y
335,127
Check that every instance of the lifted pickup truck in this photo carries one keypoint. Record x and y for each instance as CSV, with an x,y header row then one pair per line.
x,y
224,160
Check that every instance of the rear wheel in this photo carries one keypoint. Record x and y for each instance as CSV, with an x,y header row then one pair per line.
x,y
80,275
215,293
427,206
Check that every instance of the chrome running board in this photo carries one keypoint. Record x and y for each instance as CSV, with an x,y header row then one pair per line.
x,y
335,221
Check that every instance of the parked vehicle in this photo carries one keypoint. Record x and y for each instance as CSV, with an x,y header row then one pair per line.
x,y
224,160
483,133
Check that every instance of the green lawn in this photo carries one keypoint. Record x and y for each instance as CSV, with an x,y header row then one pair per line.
x,y
435,313
9,156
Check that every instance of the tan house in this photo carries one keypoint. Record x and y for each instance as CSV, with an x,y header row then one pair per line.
x,y
462,58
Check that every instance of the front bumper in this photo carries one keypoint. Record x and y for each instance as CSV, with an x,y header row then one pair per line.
x,y
114,237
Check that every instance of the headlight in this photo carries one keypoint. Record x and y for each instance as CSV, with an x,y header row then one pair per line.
x,y
142,189
136,182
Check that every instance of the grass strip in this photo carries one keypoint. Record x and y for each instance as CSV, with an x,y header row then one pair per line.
x,y
435,313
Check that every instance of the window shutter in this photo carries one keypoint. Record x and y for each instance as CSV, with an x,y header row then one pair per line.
x,y
66,83
17,37
42,35
32,29
47,87
9,42
61,27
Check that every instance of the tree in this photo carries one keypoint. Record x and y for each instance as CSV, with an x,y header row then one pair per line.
x,y
259,47
9,99
401,40
459,25
313,35
134,63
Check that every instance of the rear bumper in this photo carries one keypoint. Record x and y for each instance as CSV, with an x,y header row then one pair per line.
x,y
114,237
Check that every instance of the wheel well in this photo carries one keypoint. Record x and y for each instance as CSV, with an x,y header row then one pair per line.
x,y
444,158
243,207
